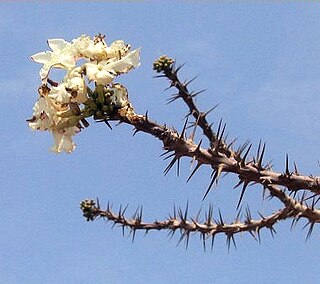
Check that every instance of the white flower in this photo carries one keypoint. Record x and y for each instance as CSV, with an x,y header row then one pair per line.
x,y
118,49
104,72
86,47
79,89
75,83
43,115
60,94
124,65
63,55
72,89
58,108
63,139
98,73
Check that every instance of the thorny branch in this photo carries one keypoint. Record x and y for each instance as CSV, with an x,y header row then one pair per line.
x,y
210,227
222,158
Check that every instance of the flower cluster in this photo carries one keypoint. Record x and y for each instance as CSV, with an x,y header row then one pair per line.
x,y
88,208
163,63
62,107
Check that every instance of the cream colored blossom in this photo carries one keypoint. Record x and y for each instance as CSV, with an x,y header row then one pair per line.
x,y
63,55
72,89
104,72
78,88
124,65
59,108
99,73
98,50
86,47
63,139
118,49
44,115
60,94
75,83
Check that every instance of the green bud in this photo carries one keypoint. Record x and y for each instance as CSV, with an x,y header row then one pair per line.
x,y
98,115
105,108
107,99
110,109
163,63
91,104
99,94
88,207
100,89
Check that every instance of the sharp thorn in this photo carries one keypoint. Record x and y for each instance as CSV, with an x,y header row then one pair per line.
x,y
261,156
253,235
231,143
248,214
190,81
169,156
107,123
197,150
146,116
194,170
159,76
243,147
165,153
217,173
209,215
219,127
198,93
242,193
174,212
203,236
209,187
295,168
173,98
186,211
135,132
221,223
239,183
98,203
179,68
212,241
258,151
272,231
221,135
184,129
168,168
133,234
287,172
243,160
210,110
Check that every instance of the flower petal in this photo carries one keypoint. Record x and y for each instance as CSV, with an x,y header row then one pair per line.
x,y
44,71
63,140
42,115
60,94
42,57
104,77
118,49
132,60
57,44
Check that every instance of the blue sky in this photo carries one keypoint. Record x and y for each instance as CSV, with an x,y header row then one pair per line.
x,y
260,62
